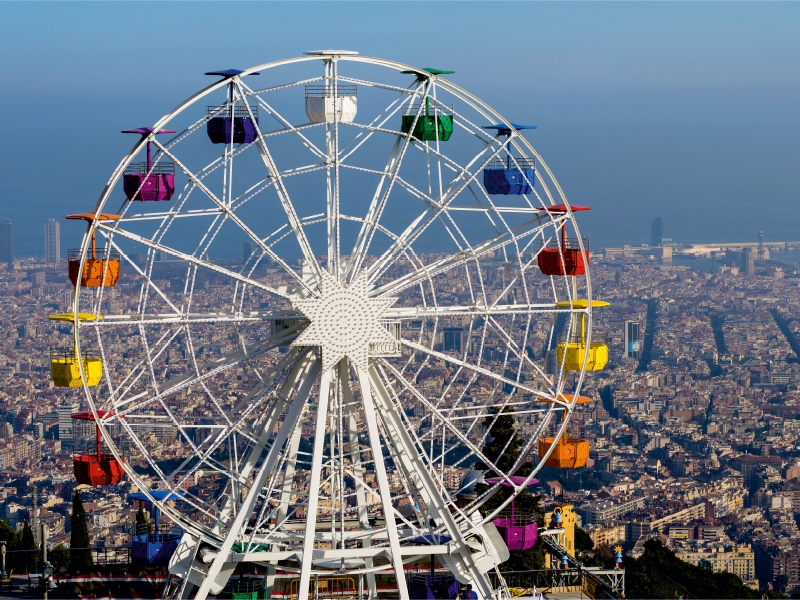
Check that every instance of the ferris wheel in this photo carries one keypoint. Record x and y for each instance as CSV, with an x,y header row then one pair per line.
x,y
303,301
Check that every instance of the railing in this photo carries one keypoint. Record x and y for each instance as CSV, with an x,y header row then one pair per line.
x,y
511,162
69,354
167,532
100,252
425,109
30,561
598,337
159,168
224,110
521,583
566,244
327,587
593,582
327,90
521,518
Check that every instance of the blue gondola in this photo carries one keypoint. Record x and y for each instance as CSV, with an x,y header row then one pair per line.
x,y
155,545
509,176
229,123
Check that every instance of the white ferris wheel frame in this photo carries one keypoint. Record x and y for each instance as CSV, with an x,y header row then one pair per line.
x,y
300,366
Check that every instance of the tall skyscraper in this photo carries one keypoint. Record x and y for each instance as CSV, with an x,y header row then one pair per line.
x,y
52,242
247,250
633,341
748,261
657,232
7,242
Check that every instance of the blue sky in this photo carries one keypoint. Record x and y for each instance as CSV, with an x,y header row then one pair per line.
x,y
686,110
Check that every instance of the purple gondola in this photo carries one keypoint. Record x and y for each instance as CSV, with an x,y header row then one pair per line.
x,y
519,530
147,181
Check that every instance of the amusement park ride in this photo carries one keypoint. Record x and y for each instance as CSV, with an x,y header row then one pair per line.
x,y
311,466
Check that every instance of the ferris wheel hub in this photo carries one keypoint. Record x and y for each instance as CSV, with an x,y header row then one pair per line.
x,y
344,321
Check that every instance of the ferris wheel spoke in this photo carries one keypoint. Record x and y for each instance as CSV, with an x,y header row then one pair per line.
x,y
521,356
283,196
366,385
381,371
424,478
210,369
405,313
377,204
193,260
245,510
287,125
462,180
140,368
528,229
478,369
255,398
190,318
303,371
373,127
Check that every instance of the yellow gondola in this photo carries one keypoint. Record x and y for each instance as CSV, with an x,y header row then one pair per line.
x,y
65,364
571,353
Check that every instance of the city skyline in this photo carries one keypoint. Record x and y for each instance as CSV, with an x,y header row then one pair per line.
x,y
334,316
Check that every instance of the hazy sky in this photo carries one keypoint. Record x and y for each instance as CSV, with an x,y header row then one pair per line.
x,y
686,110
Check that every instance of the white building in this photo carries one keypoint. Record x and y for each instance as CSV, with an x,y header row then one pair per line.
x,y
65,410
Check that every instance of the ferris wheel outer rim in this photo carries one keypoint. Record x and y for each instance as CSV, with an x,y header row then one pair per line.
x,y
475,102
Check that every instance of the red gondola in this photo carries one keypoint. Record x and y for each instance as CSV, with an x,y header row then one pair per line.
x,y
98,468
568,259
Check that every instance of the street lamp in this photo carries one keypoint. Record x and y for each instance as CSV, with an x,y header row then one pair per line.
x,y
3,574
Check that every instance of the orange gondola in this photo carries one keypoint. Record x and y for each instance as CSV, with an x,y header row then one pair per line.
x,y
569,452
102,264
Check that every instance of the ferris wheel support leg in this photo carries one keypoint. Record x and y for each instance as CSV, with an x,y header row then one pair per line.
x,y
302,367
313,484
246,509
383,481
355,461
286,492
404,451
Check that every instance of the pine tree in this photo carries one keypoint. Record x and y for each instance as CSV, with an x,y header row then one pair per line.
x,y
503,449
142,521
79,538
28,543
504,446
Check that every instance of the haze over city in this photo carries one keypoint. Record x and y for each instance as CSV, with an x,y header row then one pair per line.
x,y
681,110
463,301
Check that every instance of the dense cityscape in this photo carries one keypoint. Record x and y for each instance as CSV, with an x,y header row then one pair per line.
x,y
694,425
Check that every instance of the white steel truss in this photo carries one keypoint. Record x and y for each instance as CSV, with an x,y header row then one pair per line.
x,y
313,403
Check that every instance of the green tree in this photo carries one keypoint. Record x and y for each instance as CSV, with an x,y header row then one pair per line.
x,y
59,558
28,543
583,542
10,535
79,537
780,583
503,449
504,443
658,573
603,556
